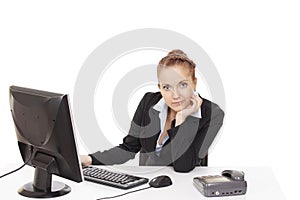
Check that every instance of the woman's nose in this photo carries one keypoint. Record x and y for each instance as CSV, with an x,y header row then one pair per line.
x,y
175,93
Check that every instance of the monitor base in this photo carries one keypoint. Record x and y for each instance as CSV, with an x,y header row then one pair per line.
x,y
57,189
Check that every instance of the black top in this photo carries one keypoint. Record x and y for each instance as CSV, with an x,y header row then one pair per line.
x,y
187,143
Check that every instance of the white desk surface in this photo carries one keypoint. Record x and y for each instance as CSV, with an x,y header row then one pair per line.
x,y
261,184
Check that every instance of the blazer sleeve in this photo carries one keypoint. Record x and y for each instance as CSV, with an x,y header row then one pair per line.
x,y
192,137
130,146
211,129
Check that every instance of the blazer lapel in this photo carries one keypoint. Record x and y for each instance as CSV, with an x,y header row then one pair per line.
x,y
151,131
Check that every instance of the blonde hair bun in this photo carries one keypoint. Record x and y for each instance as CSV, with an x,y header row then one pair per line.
x,y
177,52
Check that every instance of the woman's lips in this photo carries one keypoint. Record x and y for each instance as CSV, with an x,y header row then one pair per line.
x,y
177,103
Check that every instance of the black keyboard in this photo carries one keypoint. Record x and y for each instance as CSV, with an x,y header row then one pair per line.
x,y
114,179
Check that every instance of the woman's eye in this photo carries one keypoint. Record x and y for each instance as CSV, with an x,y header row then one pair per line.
x,y
166,87
183,85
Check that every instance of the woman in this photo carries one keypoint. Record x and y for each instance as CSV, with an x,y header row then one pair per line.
x,y
173,127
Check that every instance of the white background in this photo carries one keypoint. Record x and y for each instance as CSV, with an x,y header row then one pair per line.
x,y
254,45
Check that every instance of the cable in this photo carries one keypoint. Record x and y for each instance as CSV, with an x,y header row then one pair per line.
x,y
124,193
19,167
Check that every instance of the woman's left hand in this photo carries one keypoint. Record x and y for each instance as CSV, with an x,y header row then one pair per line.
x,y
196,102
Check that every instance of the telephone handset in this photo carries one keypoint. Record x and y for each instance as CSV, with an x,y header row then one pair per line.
x,y
231,182
234,175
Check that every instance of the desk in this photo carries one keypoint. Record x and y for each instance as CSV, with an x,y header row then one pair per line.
x,y
261,184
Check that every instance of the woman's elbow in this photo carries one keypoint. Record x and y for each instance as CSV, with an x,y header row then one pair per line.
x,y
183,168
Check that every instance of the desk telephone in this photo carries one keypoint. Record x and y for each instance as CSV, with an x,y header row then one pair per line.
x,y
231,182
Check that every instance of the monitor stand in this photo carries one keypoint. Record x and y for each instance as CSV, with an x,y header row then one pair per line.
x,y
43,187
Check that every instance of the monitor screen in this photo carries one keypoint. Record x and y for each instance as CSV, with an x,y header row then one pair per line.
x,y
46,140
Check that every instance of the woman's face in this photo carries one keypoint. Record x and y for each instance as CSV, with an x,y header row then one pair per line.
x,y
176,86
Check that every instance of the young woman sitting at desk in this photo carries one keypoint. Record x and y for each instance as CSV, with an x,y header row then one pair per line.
x,y
173,127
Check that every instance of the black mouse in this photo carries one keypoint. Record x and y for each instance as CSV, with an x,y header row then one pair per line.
x,y
160,181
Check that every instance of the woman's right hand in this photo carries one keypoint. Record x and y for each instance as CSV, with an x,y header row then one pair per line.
x,y
85,160
196,103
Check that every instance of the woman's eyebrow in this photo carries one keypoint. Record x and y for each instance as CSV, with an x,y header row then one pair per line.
x,y
164,83
182,81
177,83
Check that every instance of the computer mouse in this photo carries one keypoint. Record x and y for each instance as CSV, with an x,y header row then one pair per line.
x,y
160,181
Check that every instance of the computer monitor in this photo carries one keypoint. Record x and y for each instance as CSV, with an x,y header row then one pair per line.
x,y
46,140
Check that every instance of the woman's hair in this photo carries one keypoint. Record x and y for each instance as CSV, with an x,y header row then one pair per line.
x,y
179,58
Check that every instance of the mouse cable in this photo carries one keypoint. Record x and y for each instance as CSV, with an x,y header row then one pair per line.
x,y
124,193
19,167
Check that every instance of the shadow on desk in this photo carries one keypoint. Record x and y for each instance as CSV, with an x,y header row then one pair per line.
x,y
261,184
